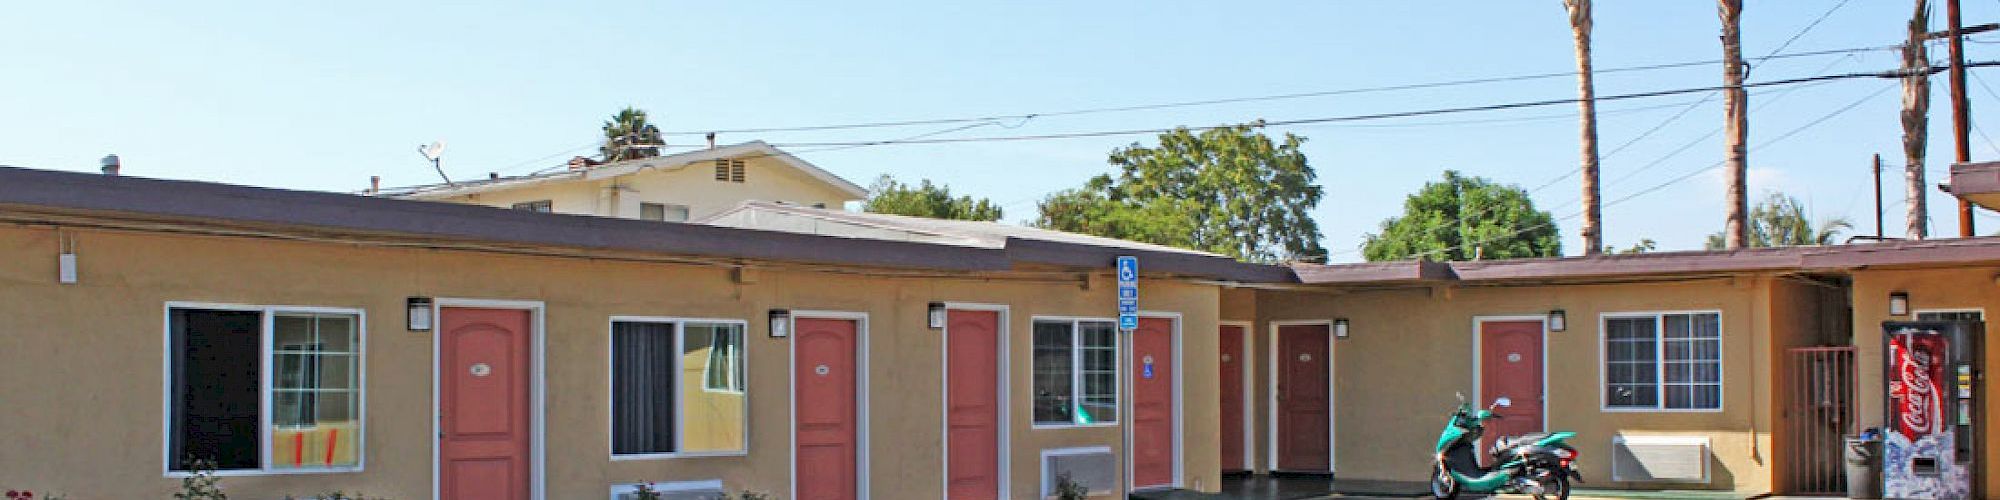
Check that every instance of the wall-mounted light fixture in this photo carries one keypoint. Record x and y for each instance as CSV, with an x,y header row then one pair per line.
x,y
936,315
1558,320
1340,328
420,314
781,323
1899,303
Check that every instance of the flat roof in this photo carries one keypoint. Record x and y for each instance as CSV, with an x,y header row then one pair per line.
x,y
207,203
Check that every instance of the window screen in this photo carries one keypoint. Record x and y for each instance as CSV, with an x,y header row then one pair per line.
x,y
214,388
642,387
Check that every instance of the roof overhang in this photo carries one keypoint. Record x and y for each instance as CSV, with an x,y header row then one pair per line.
x,y
1978,183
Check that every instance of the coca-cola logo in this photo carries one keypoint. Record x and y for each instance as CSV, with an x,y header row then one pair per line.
x,y
1916,384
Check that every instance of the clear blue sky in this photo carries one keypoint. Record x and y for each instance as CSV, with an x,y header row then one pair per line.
x,y
322,95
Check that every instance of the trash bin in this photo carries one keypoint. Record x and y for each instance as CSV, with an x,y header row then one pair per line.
x,y
1864,465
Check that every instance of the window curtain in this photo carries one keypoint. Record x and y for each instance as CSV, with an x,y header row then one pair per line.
x,y
642,388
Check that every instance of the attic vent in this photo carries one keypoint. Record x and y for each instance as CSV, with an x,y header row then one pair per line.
x,y
727,170
1659,459
1093,468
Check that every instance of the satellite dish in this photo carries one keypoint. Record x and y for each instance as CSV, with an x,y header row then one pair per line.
x,y
433,151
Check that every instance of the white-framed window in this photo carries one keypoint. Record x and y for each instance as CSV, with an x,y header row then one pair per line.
x,y
678,387
1951,315
543,206
1075,372
1663,361
663,212
256,389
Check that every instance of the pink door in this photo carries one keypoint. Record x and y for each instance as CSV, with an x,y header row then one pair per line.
x,y
1304,411
1510,364
483,400
1153,403
1230,347
823,381
973,398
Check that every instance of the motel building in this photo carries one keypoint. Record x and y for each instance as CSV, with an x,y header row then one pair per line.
x,y
574,334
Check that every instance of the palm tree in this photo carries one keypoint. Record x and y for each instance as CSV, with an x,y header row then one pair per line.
x,y
1781,221
1593,223
1736,230
1916,118
627,135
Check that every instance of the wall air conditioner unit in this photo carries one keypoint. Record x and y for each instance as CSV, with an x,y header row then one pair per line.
x,y
1655,459
1094,468
678,490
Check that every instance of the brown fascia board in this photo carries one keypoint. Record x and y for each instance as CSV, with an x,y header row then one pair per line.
x,y
1026,250
1975,178
205,202
1906,253
1402,271
1650,264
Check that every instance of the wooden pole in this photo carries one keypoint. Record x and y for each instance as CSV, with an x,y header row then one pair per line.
x,y
1961,110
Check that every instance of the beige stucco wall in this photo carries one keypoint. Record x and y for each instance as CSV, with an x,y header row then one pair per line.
x,y
1409,351
1960,288
694,185
81,364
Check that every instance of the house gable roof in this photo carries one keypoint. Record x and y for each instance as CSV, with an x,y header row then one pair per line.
x,y
981,234
676,161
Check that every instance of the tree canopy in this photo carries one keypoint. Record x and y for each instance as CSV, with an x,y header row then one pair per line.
x,y
628,135
924,199
1781,221
1229,190
1466,218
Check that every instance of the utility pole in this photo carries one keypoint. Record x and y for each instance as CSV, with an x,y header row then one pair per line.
x,y
1961,110
1593,216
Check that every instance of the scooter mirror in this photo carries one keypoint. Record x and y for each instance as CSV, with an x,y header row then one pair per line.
x,y
1461,397
1503,402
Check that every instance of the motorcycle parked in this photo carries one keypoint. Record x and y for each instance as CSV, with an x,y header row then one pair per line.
x,y
1538,464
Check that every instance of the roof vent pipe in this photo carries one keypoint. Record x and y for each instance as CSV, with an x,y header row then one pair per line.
x,y
109,164
711,140
374,184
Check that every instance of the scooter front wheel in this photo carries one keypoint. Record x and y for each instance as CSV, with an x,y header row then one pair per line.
x,y
1443,487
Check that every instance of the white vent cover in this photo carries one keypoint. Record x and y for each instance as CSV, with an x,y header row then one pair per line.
x,y
1660,459
679,490
1094,468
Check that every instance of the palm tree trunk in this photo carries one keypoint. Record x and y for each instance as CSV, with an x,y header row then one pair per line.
x,y
1916,120
1734,102
1593,223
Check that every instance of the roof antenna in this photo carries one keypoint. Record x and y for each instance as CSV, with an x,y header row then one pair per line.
x,y
435,153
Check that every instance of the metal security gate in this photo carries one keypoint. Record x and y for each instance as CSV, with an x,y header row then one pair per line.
x,y
1821,412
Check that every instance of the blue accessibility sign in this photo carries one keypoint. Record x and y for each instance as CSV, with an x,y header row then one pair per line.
x,y
1128,292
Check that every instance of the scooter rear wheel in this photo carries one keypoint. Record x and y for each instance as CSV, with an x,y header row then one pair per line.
x,y
1556,489
1444,488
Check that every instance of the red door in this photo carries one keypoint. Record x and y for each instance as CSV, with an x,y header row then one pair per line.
x,y
973,399
1153,403
1510,364
1230,347
823,381
483,401
1304,412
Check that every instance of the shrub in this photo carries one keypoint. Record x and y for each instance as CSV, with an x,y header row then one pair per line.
x,y
201,483
1068,489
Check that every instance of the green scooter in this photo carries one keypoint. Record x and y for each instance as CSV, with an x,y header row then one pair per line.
x,y
1538,464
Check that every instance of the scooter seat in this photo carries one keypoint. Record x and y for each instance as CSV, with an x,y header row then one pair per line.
x,y
1507,443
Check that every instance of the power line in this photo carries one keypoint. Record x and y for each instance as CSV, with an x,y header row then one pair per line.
x,y
1274,97
1653,189
1385,115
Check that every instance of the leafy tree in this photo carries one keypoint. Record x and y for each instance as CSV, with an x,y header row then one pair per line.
x,y
1643,246
924,199
1228,190
1781,221
1466,218
628,135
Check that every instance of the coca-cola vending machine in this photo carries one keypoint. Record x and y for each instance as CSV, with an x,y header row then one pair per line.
x,y
1930,436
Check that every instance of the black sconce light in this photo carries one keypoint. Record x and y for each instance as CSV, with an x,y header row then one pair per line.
x,y
419,314
936,315
1340,328
1899,303
1558,320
